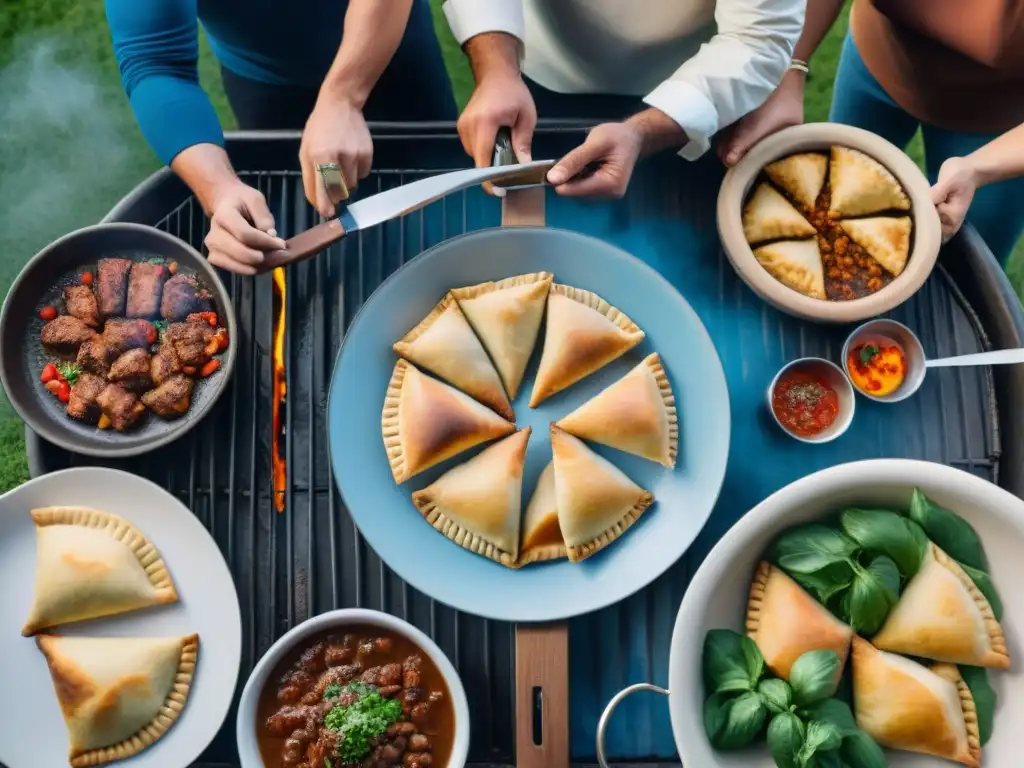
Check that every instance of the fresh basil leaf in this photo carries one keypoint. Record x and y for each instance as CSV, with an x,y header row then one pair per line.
x,y
776,695
861,751
731,662
871,596
733,723
821,738
984,583
814,677
949,531
881,532
810,548
834,712
985,699
919,536
828,582
786,739
827,760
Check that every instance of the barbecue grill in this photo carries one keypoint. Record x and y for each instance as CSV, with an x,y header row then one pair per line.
x,y
309,558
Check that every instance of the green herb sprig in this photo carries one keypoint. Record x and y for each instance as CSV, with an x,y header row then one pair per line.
x,y
361,722
70,372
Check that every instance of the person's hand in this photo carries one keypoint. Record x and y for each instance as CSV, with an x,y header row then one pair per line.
x,y
335,133
501,100
611,151
241,229
785,107
953,192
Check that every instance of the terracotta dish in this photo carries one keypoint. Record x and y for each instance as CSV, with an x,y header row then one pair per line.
x,y
820,137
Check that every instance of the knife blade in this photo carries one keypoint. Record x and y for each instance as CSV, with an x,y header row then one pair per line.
x,y
396,202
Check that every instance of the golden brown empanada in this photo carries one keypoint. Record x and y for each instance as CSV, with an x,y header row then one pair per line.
x,y
861,185
444,344
942,615
786,622
542,537
802,176
885,238
596,502
584,333
91,563
506,316
636,414
796,264
118,694
904,705
478,504
425,421
770,216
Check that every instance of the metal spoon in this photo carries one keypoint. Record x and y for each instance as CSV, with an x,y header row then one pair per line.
x,y
998,357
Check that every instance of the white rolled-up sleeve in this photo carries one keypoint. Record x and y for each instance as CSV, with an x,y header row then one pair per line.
x,y
734,72
469,18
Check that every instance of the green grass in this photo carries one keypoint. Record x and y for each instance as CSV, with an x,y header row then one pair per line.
x,y
69,147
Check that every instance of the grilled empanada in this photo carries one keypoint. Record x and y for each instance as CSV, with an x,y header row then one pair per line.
x,y
786,622
584,333
796,264
596,502
636,414
506,316
942,615
802,176
885,238
904,705
542,537
444,344
770,216
861,185
425,421
118,694
478,504
91,563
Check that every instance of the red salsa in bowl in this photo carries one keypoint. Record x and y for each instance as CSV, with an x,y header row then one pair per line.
x,y
812,400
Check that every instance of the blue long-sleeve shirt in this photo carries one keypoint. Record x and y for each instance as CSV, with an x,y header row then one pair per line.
x,y
157,47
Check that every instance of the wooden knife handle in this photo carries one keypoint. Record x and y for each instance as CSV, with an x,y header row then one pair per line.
x,y
304,245
542,695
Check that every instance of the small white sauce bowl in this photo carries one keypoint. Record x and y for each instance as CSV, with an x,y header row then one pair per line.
x,y
887,332
837,379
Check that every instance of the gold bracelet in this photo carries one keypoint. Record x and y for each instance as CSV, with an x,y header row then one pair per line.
x,y
800,65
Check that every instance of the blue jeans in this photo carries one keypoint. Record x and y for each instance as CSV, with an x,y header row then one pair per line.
x,y
998,209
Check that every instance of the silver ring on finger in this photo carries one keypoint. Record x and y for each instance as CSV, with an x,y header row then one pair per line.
x,y
333,181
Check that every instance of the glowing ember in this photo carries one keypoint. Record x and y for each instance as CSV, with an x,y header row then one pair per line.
x,y
277,458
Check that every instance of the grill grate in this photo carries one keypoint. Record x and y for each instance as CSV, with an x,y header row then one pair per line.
x,y
310,558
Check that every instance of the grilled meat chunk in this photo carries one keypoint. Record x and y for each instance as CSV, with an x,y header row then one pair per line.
x,y
121,406
65,334
165,363
81,303
171,399
192,340
183,296
112,285
94,357
120,335
82,405
131,370
145,287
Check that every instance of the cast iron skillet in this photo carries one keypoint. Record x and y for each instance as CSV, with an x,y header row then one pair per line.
x,y
22,356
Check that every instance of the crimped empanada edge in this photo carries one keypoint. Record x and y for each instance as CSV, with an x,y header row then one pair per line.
x,y
472,291
590,299
668,399
401,346
580,552
465,538
755,599
390,423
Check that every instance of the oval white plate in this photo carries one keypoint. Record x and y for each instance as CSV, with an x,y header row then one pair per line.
x,y
208,604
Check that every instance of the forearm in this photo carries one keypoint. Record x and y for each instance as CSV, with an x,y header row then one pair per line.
x,y
373,32
1000,159
207,171
819,18
491,53
658,130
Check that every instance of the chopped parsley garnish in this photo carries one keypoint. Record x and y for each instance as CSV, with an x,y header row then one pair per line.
x,y
69,371
867,353
332,691
361,722
161,326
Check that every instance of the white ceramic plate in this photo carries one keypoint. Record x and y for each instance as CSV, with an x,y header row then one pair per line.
x,y
208,604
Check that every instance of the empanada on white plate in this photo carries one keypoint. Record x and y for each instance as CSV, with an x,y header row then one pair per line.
x,y
770,216
786,622
885,238
542,537
444,344
636,414
802,176
943,616
90,563
118,695
425,421
506,316
861,185
584,333
596,502
903,705
796,264
478,504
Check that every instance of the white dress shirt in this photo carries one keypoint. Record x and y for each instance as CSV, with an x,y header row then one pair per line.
x,y
703,63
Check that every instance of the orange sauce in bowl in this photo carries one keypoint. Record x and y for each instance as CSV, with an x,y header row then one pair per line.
x,y
876,368
804,403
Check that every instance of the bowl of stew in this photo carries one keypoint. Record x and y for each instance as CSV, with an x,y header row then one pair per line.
x,y
827,256
353,687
